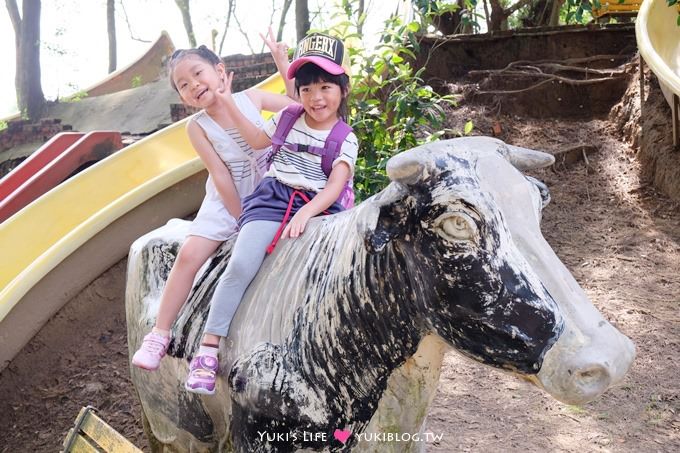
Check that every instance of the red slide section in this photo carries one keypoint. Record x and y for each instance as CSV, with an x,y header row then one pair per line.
x,y
43,156
52,165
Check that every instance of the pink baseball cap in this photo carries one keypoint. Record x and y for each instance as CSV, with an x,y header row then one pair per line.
x,y
324,51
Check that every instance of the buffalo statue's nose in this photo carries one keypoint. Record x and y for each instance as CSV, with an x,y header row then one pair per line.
x,y
576,370
588,381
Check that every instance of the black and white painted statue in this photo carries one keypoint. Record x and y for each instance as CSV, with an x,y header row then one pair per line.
x,y
343,331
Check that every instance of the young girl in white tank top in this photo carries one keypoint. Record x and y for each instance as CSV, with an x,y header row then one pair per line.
x,y
234,170
246,167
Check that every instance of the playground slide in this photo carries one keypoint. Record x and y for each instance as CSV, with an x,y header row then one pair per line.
x,y
658,38
145,69
50,165
58,244
41,157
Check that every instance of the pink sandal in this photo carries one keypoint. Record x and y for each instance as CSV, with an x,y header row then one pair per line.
x,y
150,353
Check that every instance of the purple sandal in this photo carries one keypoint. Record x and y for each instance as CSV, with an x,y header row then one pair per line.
x,y
202,375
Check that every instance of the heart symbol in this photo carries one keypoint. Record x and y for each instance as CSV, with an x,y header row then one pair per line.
x,y
342,435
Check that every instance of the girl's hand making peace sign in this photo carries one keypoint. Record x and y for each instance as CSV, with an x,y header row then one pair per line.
x,y
225,86
279,50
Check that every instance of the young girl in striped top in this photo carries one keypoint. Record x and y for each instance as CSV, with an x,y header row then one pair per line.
x,y
321,78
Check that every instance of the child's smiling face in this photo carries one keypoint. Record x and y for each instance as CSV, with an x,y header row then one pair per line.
x,y
197,81
321,101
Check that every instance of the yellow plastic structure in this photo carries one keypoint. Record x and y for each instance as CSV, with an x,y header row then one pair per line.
x,y
658,39
616,8
59,243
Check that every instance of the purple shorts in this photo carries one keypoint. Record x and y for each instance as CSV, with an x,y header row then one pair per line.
x,y
270,200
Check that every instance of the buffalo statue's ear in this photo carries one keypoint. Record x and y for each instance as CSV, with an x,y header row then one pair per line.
x,y
407,168
525,159
393,208
386,219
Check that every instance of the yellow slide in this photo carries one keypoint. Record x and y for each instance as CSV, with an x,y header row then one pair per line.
x,y
58,244
658,38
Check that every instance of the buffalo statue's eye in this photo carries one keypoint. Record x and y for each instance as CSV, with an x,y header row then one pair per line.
x,y
456,226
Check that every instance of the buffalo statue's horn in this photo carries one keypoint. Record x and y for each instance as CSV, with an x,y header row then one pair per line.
x,y
528,159
405,168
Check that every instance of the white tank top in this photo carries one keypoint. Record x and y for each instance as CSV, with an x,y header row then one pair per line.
x,y
245,164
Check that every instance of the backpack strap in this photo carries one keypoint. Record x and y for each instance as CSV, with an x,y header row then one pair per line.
x,y
333,145
288,117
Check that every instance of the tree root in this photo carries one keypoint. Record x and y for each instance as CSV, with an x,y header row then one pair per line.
x,y
550,69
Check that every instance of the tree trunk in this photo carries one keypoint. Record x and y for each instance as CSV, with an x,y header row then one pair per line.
x,y
487,16
537,15
451,23
360,20
301,18
30,97
111,29
555,13
498,18
186,18
499,15
282,22
230,11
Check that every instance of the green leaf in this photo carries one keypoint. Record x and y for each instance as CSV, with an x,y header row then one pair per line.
x,y
468,127
579,14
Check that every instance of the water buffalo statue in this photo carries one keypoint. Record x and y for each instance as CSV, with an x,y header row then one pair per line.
x,y
343,331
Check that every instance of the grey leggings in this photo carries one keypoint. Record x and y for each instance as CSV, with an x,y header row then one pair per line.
x,y
245,261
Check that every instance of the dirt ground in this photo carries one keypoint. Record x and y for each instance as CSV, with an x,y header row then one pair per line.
x,y
619,237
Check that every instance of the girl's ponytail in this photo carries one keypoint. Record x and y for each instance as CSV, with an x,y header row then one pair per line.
x,y
208,54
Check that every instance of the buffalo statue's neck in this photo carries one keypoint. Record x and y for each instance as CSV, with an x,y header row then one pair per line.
x,y
350,339
358,322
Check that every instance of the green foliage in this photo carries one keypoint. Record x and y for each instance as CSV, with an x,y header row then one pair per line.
x,y
672,3
53,44
136,81
391,108
430,10
3,125
578,11
572,11
77,96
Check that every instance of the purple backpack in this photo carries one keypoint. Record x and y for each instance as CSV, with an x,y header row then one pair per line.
x,y
329,152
